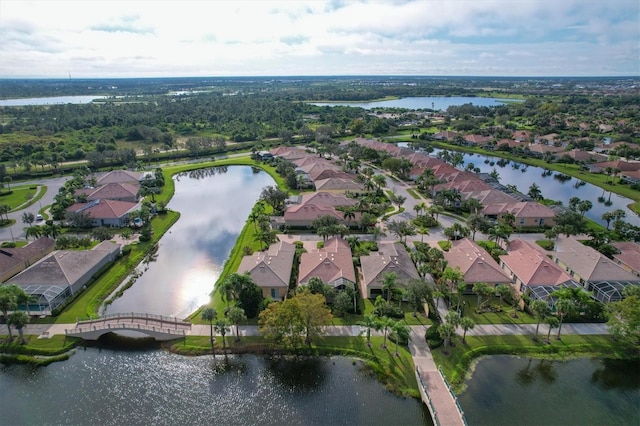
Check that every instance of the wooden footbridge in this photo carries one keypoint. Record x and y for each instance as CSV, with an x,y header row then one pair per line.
x,y
434,389
157,326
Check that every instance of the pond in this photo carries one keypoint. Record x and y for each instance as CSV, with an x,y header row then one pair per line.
x,y
437,103
106,387
506,390
551,186
57,100
214,205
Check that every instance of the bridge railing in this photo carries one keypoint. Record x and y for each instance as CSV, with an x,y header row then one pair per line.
x,y
126,326
432,408
453,394
133,316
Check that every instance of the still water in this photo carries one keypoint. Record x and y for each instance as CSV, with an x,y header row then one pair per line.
x,y
214,205
523,176
105,387
421,102
506,390
57,100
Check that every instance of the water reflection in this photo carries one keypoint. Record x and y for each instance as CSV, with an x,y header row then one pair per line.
x,y
214,204
612,375
299,374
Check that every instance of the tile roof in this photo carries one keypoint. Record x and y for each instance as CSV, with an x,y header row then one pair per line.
x,y
11,257
475,263
111,191
105,209
270,268
520,209
629,254
322,198
120,176
329,263
338,184
390,257
531,266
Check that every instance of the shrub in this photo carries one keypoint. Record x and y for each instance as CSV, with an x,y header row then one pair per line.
x,y
433,337
126,250
546,244
445,245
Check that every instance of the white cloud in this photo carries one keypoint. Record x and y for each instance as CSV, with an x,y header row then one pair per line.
x,y
128,38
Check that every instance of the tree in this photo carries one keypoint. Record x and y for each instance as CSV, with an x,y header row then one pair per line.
x,y
316,286
552,322
231,286
466,323
19,320
534,192
584,206
4,211
446,332
401,331
502,291
250,298
342,303
564,307
456,231
368,322
208,315
236,316
275,197
417,292
480,289
540,310
222,327
28,218
389,283
475,223
385,324
624,318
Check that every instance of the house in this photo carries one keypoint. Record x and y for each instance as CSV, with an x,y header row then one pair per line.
x,y
120,176
15,260
339,184
528,267
390,257
595,272
585,156
323,198
332,263
475,263
271,269
630,176
628,256
106,212
527,213
111,191
620,165
60,275
303,215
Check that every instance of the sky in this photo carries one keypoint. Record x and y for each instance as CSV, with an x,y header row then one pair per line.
x,y
155,38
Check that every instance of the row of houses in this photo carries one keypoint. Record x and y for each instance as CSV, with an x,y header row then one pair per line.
x,y
496,203
114,196
332,263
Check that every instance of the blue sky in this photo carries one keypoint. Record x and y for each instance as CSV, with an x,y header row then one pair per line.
x,y
122,38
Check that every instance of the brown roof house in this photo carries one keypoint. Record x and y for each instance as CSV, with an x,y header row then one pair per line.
x,y
106,212
527,213
15,260
390,257
112,191
271,269
332,263
475,263
303,215
120,176
57,277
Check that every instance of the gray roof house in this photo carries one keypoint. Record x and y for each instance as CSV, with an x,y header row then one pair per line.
x,y
57,277
390,257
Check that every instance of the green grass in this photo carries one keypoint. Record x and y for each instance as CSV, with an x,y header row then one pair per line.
x,y
504,317
20,195
414,194
457,361
55,345
396,373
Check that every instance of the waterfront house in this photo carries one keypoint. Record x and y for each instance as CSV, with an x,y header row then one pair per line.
x,y
16,259
475,263
106,212
270,269
119,176
527,213
628,256
332,263
111,191
390,257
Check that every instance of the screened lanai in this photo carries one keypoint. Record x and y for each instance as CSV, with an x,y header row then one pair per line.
x,y
610,291
45,298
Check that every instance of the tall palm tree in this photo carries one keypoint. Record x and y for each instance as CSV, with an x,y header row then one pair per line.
x,y
222,328
236,315
385,324
389,283
19,320
446,331
466,323
8,302
480,289
401,331
552,322
564,307
541,310
502,291
368,322
209,314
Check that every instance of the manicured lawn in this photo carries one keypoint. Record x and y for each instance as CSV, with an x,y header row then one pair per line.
x,y
503,317
54,345
20,195
456,361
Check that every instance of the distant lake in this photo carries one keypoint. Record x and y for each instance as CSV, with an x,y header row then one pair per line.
x,y
422,102
58,100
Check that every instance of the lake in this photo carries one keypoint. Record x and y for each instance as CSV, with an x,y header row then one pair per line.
x,y
438,103
506,390
57,100
523,176
107,387
214,205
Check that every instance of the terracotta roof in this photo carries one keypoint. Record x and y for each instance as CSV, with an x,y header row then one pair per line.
x,y
112,191
629,254
475,263
105,209
271,268
519,209
120,176
331,263
321,198
312,211
531,266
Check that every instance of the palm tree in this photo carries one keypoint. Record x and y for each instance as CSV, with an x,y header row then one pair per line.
x,y
209,314
541,310
502,291
28,218
480,289
401,330
553,323
8,302
236,315
466,323
564,307
461,286
389,283
4,211
379,181
607,217
369,322
534,192
222,327
446,331
385,325
473,205
584,206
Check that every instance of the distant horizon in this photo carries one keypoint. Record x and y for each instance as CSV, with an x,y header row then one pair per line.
x,y
100,39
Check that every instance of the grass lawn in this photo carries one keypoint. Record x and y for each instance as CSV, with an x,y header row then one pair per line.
x,y
503,317
20,195
55,345
456,361
396,373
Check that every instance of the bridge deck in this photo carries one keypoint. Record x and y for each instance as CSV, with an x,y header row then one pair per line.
x,y
433,388
157,326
